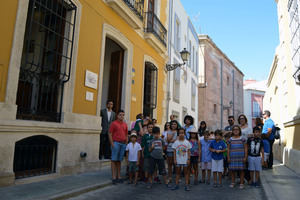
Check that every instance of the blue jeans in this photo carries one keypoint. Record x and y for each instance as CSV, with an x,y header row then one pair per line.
x,y
118,151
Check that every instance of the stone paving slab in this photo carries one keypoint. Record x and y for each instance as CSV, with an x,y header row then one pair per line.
x,y
58,188
281,183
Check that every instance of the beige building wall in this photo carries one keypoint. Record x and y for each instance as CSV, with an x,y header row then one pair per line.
x,y
218,74
283,94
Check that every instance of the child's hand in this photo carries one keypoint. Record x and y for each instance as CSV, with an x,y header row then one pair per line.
x,y
153,145
245,159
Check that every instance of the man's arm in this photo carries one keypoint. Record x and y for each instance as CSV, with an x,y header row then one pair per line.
x,y
110,139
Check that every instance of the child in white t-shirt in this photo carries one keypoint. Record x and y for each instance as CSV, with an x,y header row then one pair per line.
x,y
133,153
182,156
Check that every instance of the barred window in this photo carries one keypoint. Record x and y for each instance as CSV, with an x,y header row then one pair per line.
x,y
46,59
150,89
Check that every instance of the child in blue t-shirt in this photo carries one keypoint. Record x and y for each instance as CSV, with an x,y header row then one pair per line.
x,y
217,147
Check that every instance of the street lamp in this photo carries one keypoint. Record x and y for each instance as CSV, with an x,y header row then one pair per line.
x,y
184,56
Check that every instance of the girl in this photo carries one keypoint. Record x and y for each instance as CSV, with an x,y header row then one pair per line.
x,y
195,152
202,129
188,125
237,155
166,129
182,158
170,138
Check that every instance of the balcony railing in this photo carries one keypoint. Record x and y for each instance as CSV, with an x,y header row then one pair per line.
x,y
153,25
137,6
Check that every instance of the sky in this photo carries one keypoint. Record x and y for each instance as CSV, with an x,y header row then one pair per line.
x,y
245,30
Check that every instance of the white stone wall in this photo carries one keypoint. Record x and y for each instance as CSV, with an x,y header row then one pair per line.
x,y
187,74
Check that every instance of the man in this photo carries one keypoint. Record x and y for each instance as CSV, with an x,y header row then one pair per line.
x,y
230,122
108,116
268,132
118,137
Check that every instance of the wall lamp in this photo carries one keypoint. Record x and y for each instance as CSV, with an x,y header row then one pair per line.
x,y
184,56
228,107
297,76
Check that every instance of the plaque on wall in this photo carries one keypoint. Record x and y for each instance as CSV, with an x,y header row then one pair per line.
x,y
91,79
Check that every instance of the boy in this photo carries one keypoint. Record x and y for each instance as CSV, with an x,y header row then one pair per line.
x,y
146,139
217,147
133,154
182,156
255,156
205,157
156,149
227,136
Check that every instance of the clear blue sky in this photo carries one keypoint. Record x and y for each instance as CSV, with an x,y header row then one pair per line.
x,y
245,30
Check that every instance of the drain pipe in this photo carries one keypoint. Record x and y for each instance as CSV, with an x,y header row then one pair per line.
x,y
233,78
170,53
221,63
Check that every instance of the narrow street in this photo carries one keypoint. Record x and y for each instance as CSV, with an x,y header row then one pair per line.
x,y
160,191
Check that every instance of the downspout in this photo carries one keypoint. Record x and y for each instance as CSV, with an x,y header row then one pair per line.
x,y
233,78
221,62
169,53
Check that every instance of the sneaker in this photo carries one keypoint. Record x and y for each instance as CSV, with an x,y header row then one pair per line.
x,y
119,180
187,188
157,180
114,181
242,186
257,184
176,187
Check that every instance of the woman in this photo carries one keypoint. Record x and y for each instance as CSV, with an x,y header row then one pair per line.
x,y
246,130
202,128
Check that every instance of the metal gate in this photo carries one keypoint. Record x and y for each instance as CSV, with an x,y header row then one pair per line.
x,y
35,156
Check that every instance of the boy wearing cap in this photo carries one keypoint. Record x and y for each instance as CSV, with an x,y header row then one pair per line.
x,y
133,153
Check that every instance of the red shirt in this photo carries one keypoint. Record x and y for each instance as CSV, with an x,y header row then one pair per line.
x,y
119,131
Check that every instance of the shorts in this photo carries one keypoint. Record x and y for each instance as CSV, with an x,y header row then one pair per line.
x,y
170,154
181,165
118,152
133,167
217,165
147,164
254,163
206,165
266,156
160,164
194,160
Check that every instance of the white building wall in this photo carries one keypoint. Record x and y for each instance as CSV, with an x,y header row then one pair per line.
x,y
187,34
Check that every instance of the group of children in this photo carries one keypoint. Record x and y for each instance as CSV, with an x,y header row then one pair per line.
x,y
226,152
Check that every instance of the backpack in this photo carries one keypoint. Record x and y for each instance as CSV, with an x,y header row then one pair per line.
x,y
277,133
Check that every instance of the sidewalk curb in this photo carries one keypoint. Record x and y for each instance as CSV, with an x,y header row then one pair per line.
x,y
77,192
269,193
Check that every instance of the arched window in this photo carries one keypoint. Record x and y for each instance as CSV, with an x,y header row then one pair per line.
x,y
35,155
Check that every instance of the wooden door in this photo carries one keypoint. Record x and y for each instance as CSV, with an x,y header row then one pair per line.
x,y
116,79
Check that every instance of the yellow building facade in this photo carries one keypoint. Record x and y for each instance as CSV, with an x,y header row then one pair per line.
x,y
282,97
60,61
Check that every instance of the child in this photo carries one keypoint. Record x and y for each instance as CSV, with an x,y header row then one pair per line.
x,y
156,156
182,155
195,152
205,157
237,155
170,138
133,153
255,156
146,139
217,147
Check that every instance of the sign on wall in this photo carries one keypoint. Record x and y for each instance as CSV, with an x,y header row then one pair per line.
x,y
91,79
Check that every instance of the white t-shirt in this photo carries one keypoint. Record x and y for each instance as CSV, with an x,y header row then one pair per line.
x,y
108,114
246,132
133,151
181,148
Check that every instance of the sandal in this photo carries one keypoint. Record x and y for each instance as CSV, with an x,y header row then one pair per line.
x,y
242,186
231,185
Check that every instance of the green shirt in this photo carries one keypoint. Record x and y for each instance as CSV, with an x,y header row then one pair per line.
x,y
225,153
146,139
137,125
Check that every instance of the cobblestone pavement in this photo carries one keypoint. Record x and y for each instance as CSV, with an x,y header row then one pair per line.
x,y
160,191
